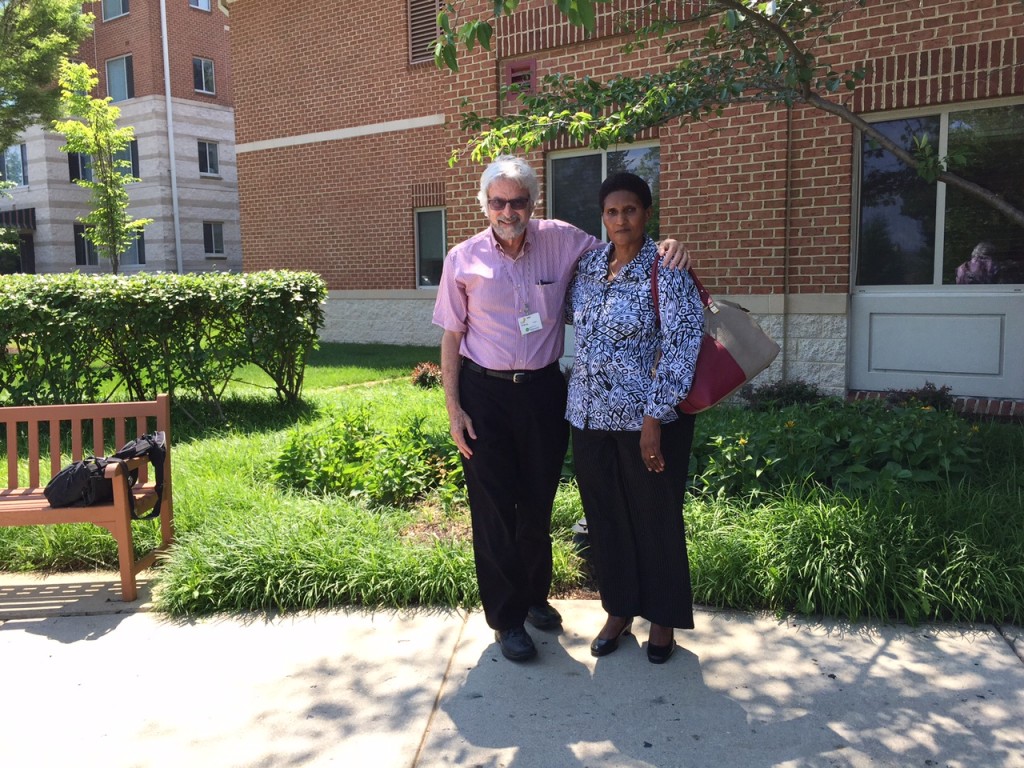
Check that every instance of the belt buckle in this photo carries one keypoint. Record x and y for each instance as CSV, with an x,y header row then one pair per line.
x,y
519,377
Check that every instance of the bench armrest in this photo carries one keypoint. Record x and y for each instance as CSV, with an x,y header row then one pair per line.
x,y
122,467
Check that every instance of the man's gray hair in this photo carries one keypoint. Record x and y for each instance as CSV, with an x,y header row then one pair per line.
x,y
514,169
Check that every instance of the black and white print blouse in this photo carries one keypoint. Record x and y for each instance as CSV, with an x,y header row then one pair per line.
x,y
618,339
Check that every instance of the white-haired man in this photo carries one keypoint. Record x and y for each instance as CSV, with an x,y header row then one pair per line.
x,y
501,304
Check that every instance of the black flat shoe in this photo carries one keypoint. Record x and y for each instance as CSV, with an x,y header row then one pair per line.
x,y
603,647
516,644
658,654
544,616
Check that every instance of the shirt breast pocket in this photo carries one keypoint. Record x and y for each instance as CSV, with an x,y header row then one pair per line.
x,y
549,300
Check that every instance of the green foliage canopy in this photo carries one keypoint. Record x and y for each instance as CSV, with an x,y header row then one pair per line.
x,y
34,36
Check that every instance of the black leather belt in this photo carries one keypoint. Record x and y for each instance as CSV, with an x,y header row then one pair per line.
x,y
516,377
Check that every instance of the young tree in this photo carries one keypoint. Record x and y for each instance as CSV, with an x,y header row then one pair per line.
x,y
749,51
90,127
34,36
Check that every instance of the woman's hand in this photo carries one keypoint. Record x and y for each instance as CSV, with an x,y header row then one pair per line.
x,y
650,445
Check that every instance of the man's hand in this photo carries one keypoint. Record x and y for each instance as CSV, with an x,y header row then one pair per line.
x,y
461,428
674,254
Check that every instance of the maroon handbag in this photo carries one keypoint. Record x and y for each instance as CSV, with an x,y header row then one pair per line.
x,y
733,351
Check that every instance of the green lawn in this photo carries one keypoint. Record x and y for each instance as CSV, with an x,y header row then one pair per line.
x,y
353,497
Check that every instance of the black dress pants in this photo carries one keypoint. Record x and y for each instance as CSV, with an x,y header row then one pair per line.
x,y
511,479
635,522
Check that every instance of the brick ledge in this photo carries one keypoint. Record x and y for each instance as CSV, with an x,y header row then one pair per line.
x,y
994,408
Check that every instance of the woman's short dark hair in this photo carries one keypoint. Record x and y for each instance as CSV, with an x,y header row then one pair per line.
x,y
626,182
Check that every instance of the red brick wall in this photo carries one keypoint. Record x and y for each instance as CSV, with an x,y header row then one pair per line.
x,y
191,32
724,182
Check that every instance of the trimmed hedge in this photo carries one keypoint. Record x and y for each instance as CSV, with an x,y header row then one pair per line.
x,y
71,337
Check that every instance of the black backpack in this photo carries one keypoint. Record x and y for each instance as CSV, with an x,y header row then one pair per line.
x,y
82,483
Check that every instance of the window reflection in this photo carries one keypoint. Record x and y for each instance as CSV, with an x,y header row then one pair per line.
x,y
897,218
980,244
902,235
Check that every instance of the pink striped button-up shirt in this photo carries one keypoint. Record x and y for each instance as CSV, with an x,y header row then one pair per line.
x,y
483,293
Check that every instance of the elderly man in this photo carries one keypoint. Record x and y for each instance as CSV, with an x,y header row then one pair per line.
x,y
501,302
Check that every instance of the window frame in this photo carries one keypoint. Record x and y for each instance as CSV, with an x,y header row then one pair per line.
x,y
549,196
215,230
417,245
942,112
22,160
129,77
198,5
202,61
123,12
205,153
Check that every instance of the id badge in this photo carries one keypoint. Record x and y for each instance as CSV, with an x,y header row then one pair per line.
x,y
530,323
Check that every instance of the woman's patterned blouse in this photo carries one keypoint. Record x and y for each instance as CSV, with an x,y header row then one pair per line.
x,y
618,341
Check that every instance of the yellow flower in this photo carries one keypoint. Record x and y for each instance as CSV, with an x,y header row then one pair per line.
x,y
790,424
743,441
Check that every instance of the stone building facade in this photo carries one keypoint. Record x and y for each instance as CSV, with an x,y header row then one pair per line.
x,y
183,154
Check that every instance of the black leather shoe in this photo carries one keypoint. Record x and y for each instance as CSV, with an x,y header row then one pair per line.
x,y
544,616
603,647
516,644
658,654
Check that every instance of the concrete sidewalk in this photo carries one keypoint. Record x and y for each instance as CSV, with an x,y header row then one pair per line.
x,y
89,681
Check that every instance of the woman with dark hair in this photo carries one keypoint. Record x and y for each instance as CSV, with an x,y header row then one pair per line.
x,y
630,446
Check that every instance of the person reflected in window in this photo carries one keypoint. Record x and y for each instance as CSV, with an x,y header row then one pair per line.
x,y
982,267
631,447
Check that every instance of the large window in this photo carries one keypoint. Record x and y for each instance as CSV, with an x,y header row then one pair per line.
x,y
120,78
208,163
202,75
912,232
431,245
86,254
423,29
213,238
15,165
574,180
80,165
114,8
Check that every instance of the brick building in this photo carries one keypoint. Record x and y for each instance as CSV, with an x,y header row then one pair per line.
x,y
193,200
344,129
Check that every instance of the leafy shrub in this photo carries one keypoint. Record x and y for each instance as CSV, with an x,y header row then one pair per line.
x,y
427,375
779,394
927,396
77,335
850,446
352,456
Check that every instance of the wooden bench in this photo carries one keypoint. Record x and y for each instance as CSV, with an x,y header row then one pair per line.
x,y
31,430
